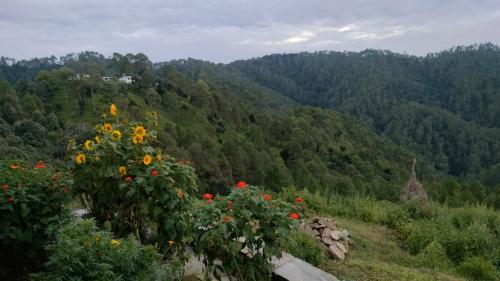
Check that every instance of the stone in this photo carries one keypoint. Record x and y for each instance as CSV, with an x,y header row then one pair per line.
x,y
345,233
327,240
294,269
326,232
318,226
336,252
329,223
341,246
316,232
336,235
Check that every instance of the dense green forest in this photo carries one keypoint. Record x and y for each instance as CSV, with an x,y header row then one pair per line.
x,y
269,120
444,106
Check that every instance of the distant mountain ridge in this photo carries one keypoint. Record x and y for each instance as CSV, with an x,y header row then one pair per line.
x,y
445,106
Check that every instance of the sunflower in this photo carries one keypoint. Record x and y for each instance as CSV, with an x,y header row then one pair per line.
x,y
112,109
115,242
147,159
140,131
88,144
80,158
97,139
116,135
122,170
137,139
107,127
171,243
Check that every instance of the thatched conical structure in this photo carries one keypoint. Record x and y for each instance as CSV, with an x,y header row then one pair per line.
x,y
414,191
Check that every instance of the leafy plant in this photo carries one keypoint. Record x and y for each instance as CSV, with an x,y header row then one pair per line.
x,y
32,200
82,252
303,246
131,184
478,269
243,231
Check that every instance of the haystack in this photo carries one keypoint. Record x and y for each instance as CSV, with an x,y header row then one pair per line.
x,y
414,191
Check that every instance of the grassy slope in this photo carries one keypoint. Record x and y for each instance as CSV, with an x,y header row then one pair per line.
x,y
377,255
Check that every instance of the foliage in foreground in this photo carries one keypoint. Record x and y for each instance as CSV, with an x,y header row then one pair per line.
x,y
82,252
305,247
131,184
243,231
440,237
32,200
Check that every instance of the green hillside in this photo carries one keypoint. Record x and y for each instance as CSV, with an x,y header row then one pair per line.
x,y
230,131
444,106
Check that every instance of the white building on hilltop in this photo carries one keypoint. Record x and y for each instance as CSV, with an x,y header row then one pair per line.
x,y
125,79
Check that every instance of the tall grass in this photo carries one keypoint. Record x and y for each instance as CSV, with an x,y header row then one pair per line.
x,y
456,237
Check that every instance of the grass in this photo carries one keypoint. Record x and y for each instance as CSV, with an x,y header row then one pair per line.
x,y
401,242
377,254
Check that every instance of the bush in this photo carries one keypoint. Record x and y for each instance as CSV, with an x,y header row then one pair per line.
x,y
131,184
304,247
82,252
243,230
433,256
479,269
32,203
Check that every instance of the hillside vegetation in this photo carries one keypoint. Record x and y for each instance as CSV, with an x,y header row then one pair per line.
x,y
339,129
444,106
229,131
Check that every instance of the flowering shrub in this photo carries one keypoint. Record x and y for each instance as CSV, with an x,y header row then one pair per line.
x,y
243,230
32,199
129,183
82,252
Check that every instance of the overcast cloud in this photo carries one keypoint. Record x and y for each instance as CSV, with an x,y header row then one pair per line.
x,y
223,30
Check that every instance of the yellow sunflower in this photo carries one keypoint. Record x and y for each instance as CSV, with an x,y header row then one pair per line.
x,y
170,243
116,135
113,110
140,131
80,158
107,127
137,139
88,144
122,170
97,139
147,159
115,242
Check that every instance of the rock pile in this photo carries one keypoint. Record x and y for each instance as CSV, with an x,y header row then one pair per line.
x,y
335,240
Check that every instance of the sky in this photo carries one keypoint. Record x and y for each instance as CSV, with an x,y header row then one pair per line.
x,y
224,30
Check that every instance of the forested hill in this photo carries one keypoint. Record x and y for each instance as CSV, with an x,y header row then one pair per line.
x,y
444,106
235,123
230,129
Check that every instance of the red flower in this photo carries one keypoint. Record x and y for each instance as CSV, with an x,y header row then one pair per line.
x,y
208,201
208,196
267,197
5,187
228,219
154,173
10,200
299,200
241,184
229,204
128,179
294,216
40,165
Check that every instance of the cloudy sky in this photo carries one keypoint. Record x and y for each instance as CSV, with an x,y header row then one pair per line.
x,y
225,30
